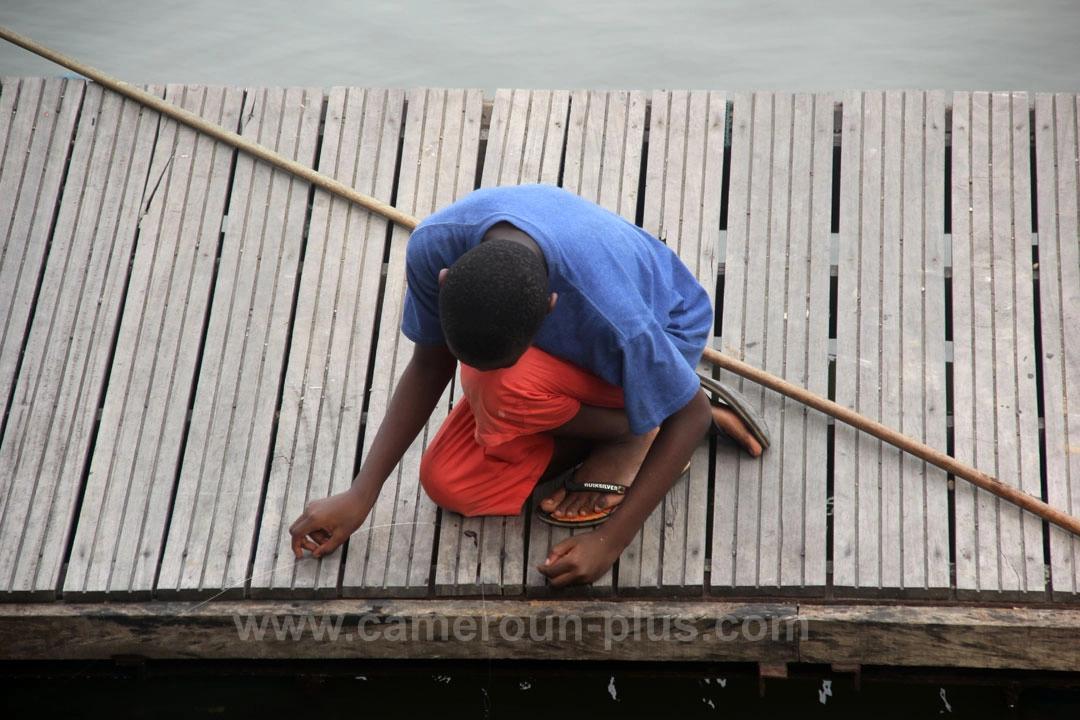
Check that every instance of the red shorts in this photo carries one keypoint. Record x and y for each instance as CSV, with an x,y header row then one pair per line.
x,y
493,447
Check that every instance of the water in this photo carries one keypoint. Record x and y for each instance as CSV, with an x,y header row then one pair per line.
x,y
480,690
828,45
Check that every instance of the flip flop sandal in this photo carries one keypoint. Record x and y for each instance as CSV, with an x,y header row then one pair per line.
x,y
591,519
734,401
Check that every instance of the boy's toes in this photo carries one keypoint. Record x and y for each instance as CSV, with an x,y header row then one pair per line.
x,y
552,501
605,501
751,444
734,428
745,438
572,506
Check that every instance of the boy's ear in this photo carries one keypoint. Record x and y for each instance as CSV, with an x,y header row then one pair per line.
x,y
552,299
442,275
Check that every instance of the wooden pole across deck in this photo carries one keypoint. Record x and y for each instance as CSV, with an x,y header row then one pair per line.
x,y
714,357
896,439
215,131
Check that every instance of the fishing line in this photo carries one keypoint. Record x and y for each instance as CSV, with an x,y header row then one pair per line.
x,y
287,566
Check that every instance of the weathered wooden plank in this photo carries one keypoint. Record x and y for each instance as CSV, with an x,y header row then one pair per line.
x,y
315,450
37,121
891,510
439,158
726,489
133,470
683,181
886,343
604,142
387,628
227,454
804,516
856,509
924,411
525,138
999,550
753,530
769,514
603,148
1005,638
44,451
1057,153
962,637
374,537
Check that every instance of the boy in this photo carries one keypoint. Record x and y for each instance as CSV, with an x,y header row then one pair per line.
x,y
578,334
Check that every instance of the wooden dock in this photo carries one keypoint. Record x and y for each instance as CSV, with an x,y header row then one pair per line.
x,y
194,345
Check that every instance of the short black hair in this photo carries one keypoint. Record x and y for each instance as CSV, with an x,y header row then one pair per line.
x,y
492,302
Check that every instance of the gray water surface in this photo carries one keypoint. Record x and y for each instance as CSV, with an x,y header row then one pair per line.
x,y
827,45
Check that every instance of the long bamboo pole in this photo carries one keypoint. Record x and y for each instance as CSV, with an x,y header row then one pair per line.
x,y
215,131
859,422
905,443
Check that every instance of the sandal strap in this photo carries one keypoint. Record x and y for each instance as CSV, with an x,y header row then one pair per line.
x,y
612,488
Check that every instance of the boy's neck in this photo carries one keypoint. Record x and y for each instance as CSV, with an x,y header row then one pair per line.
x,y
506,231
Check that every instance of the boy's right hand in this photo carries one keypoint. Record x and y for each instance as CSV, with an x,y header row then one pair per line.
x,y
327,523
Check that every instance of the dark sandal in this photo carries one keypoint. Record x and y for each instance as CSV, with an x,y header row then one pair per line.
x,y
730,398
592,519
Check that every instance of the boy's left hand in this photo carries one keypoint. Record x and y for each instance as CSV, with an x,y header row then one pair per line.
x,y
580,559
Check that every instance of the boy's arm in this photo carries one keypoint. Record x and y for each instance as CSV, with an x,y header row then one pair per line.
x,y
326,523
584,558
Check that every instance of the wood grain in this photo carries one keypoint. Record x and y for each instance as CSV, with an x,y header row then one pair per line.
x,y
891,509
1057,149
769,514
999,548
227,454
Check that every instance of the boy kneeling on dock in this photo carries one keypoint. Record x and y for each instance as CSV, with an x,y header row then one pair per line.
x,y
578,335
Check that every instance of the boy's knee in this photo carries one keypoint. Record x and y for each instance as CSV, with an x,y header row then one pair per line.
x,y
430,479
437,483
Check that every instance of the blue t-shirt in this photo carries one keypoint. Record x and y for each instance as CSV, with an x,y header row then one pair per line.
x,y
628,309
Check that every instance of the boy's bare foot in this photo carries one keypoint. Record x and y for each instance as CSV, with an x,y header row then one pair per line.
x,y
730,424
618,461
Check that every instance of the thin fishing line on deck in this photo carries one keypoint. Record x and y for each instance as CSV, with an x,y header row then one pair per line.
x,y
286,566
